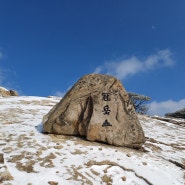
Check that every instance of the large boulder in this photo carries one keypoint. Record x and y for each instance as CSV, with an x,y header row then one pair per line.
x,y
97,107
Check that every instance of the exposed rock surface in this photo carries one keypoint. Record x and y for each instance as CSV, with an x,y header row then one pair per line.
x,y
6,93
97,107
177,114
177,121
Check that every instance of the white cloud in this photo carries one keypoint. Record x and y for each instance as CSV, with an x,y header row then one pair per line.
x,y
62,93
133,65
98,70
59,94
161,108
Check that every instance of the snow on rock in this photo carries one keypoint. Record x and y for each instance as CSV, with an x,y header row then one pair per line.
x,y
6,93
30,157
3,88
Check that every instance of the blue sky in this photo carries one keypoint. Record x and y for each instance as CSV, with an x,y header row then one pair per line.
x,y
46,46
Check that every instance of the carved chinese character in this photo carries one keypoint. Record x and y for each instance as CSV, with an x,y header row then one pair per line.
x,y
106,96
106,110
106,124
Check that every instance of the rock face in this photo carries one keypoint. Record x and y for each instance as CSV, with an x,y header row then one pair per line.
x,y
177,114
97,107
5,92
176,121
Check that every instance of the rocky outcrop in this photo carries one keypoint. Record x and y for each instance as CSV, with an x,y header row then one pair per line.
x,y
97,107
6,93
176,121
177,114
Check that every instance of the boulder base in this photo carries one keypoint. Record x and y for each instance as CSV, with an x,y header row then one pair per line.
x,y
97,107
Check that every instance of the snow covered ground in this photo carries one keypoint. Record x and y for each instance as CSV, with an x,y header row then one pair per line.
x,y
29,157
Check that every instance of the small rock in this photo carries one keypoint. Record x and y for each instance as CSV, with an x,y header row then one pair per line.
x,y
13,93
1,158
53,183
128,155
144,163
124,178
58,147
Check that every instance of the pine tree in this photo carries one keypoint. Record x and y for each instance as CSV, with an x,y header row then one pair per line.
x,y
139,102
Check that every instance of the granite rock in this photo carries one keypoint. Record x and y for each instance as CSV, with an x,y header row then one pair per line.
x,y
98,107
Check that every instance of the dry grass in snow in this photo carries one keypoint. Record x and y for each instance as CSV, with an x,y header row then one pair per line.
x,y
29,157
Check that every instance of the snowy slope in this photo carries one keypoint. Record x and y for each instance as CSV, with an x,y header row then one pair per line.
x,y
29,157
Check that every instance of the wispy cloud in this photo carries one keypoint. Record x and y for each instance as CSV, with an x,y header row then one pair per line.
x,y
6,74
161,108
133,65
62,93
1,55
153,27
59,94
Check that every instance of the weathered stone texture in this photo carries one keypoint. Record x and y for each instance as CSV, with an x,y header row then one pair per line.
x,y
6,93
97,107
